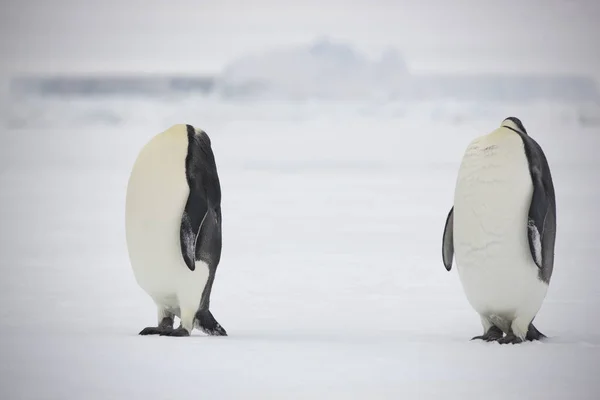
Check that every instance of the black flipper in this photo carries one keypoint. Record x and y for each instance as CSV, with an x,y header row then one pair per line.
x,y
448,241
192,221
541,227
534,334
548,242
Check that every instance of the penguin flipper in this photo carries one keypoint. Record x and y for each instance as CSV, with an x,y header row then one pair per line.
x,y
448,240
541,232
192,220
538,212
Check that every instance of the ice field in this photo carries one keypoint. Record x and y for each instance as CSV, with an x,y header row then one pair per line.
x,y
331,283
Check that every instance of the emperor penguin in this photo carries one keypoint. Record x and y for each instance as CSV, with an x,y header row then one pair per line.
x,y
173,229
501,230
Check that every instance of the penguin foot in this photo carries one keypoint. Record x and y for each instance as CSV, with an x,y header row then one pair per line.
x,y
492,335
166,324
209,325
510,338
154,330
534,334
179,332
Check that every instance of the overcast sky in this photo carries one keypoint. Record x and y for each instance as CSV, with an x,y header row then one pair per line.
x,y
201,36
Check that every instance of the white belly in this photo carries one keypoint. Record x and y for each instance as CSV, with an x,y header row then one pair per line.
x,y
492,199
156,197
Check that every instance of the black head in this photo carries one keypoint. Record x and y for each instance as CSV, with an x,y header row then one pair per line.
x,y
518,123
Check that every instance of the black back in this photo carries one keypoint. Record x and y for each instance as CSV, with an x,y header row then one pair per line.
x,y
542,211
518,123
201,220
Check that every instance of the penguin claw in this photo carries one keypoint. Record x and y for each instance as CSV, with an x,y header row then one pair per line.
x,y
179,332
510,339
153,330
487,338
492,335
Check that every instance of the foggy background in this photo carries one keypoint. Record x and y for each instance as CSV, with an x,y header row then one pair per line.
x,y
203,36
338,129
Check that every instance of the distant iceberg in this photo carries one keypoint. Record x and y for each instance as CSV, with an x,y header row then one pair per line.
x,y
322,69
337,71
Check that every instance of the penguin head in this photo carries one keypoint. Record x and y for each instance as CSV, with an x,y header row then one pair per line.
x,y
514,123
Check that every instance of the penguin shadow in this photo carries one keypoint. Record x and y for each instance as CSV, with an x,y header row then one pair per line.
x,y
587,341
320,337
392,337
389,337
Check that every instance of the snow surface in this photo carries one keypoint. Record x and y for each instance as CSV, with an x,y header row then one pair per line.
x,y
331,284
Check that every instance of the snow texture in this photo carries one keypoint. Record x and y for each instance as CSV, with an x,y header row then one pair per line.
x,y
331,284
